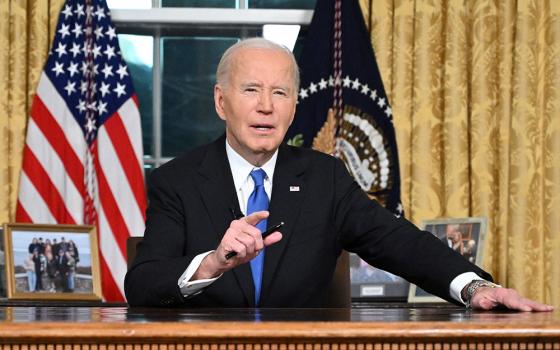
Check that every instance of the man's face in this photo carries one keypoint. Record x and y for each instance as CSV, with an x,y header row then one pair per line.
x,y
257,102
453,233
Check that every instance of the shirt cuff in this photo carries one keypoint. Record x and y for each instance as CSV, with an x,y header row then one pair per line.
x,y
459,283
191,288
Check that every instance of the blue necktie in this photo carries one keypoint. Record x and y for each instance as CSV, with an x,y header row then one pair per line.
x,y
258,201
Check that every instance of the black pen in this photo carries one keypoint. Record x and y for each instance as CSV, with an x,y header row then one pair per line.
x,y
266,233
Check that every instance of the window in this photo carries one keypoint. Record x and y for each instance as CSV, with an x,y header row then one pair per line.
x,y
172,51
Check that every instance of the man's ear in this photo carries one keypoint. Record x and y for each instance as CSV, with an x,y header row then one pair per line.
x,y
219,101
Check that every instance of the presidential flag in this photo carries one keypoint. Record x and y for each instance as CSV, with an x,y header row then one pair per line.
x,y
82,161
339,72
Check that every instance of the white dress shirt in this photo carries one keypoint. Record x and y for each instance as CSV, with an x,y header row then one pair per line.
x,y
244,186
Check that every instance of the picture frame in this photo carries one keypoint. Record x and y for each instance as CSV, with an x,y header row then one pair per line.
x,y
368,283
465,235
3,283
52,262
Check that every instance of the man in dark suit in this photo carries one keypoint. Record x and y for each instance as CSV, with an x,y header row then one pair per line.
x,y
61,263
193,222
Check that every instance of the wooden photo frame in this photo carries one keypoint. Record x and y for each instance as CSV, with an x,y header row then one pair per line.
x,y
57,262
465,235
368,283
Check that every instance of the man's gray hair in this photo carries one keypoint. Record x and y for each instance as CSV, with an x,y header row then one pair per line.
x,y
224,67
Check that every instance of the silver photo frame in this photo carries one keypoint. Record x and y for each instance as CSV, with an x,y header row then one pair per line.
x,y
464,235
368,283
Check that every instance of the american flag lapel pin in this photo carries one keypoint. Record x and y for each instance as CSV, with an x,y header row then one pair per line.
x,y
294,188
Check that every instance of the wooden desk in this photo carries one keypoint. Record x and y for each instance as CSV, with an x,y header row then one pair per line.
x,y
398,327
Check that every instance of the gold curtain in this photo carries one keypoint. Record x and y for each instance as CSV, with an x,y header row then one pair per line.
x,y
474,88
26,30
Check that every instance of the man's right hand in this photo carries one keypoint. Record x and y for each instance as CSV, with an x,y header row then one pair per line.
x,y
241,237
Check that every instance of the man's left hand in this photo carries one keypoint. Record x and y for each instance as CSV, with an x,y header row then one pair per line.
x,y
487,298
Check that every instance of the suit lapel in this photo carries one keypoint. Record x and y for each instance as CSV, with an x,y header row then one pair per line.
x,y
288,193
220,198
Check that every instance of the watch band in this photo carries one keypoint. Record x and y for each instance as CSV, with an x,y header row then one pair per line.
x,y
470,289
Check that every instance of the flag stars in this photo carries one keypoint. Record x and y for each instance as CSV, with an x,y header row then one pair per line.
x,y
89,10
119,90
303,93
90,125
79,11
107,71
356,84
75,49
67,11
312,88
81,106
83,88
109,51
102,107
388,111
72,68
365,89
58,68
70,87
122,71
100,13
84,68
96,51
322,84
111,32
77,30
64,30
331,81
337,81
381,103
99,32
61,49
373,94
346,81
104,89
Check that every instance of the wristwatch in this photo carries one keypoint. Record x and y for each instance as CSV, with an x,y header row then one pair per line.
x,y
470,289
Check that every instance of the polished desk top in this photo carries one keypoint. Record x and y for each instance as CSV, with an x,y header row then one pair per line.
x,y
370,312
380,321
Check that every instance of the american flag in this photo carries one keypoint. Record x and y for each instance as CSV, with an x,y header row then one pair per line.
x,y
82,161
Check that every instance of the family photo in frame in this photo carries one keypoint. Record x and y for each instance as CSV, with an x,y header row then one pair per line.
x,y
464,235
51,262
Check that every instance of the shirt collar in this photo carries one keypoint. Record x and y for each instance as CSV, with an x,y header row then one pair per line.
x,y
241,168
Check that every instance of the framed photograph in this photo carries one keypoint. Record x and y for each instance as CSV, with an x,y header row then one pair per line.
x,y
465,235
52,262
369,283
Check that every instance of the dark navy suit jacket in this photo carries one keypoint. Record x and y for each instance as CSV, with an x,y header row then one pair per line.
x,y
190,204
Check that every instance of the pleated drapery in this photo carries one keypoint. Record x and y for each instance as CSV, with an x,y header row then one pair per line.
x,y
474,89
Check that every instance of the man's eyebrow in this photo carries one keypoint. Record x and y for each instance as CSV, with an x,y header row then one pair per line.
x,y
251,84
274,87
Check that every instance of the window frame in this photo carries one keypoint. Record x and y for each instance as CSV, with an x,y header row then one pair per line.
x,y
156,20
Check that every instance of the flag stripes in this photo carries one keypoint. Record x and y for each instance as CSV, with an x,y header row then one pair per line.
x,y
58,141
42,151
120,142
